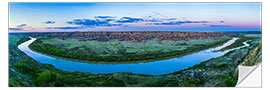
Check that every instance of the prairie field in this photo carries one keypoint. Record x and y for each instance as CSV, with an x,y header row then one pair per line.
x,y
113,47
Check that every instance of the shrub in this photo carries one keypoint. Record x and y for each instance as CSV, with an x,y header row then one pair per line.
x,y
43,78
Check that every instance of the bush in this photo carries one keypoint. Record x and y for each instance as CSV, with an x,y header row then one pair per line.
x,y
113,83
43,78
25,67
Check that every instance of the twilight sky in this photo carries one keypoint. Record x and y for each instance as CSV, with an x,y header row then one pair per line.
x,y
58,17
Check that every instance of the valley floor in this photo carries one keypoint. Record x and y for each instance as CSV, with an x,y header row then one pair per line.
x,y
115,51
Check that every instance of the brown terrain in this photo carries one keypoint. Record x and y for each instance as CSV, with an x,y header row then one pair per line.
x,y
135,36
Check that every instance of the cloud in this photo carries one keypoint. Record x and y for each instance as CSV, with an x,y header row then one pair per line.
x,y
64,27
153,20
110,21
19,27
90,22
204,24
179,22
219,25
69,22
129,20
22,25
15,28
50,22
104,17
170,19
159,15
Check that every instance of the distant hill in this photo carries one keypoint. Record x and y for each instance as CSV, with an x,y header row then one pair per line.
x,y
136,36
246,32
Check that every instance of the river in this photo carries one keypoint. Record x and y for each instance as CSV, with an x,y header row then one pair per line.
x,y
152,68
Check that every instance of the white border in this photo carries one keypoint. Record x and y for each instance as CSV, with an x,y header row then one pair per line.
x,y
4,40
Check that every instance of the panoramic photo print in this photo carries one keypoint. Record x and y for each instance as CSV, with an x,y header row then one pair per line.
x,y
133,44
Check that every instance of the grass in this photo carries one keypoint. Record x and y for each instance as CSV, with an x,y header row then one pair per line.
x,y
16,39
115,51
113,46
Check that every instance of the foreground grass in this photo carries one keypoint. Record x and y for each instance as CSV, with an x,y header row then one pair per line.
x,y
215,72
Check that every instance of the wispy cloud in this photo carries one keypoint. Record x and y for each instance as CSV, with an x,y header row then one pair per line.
x,y
178,22
50,22
64,27
104,17
15,28
129,20
91,22
110,21
18,27
22,25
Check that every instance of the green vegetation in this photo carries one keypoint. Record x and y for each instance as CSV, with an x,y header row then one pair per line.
x,y
121,51
20,63
217,72
14,53
25,38
17,39
255,56
243,38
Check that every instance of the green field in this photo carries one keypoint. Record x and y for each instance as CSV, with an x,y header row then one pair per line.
x,y
121,51
114,47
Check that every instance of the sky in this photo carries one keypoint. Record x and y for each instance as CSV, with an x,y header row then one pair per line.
x,y
68,17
